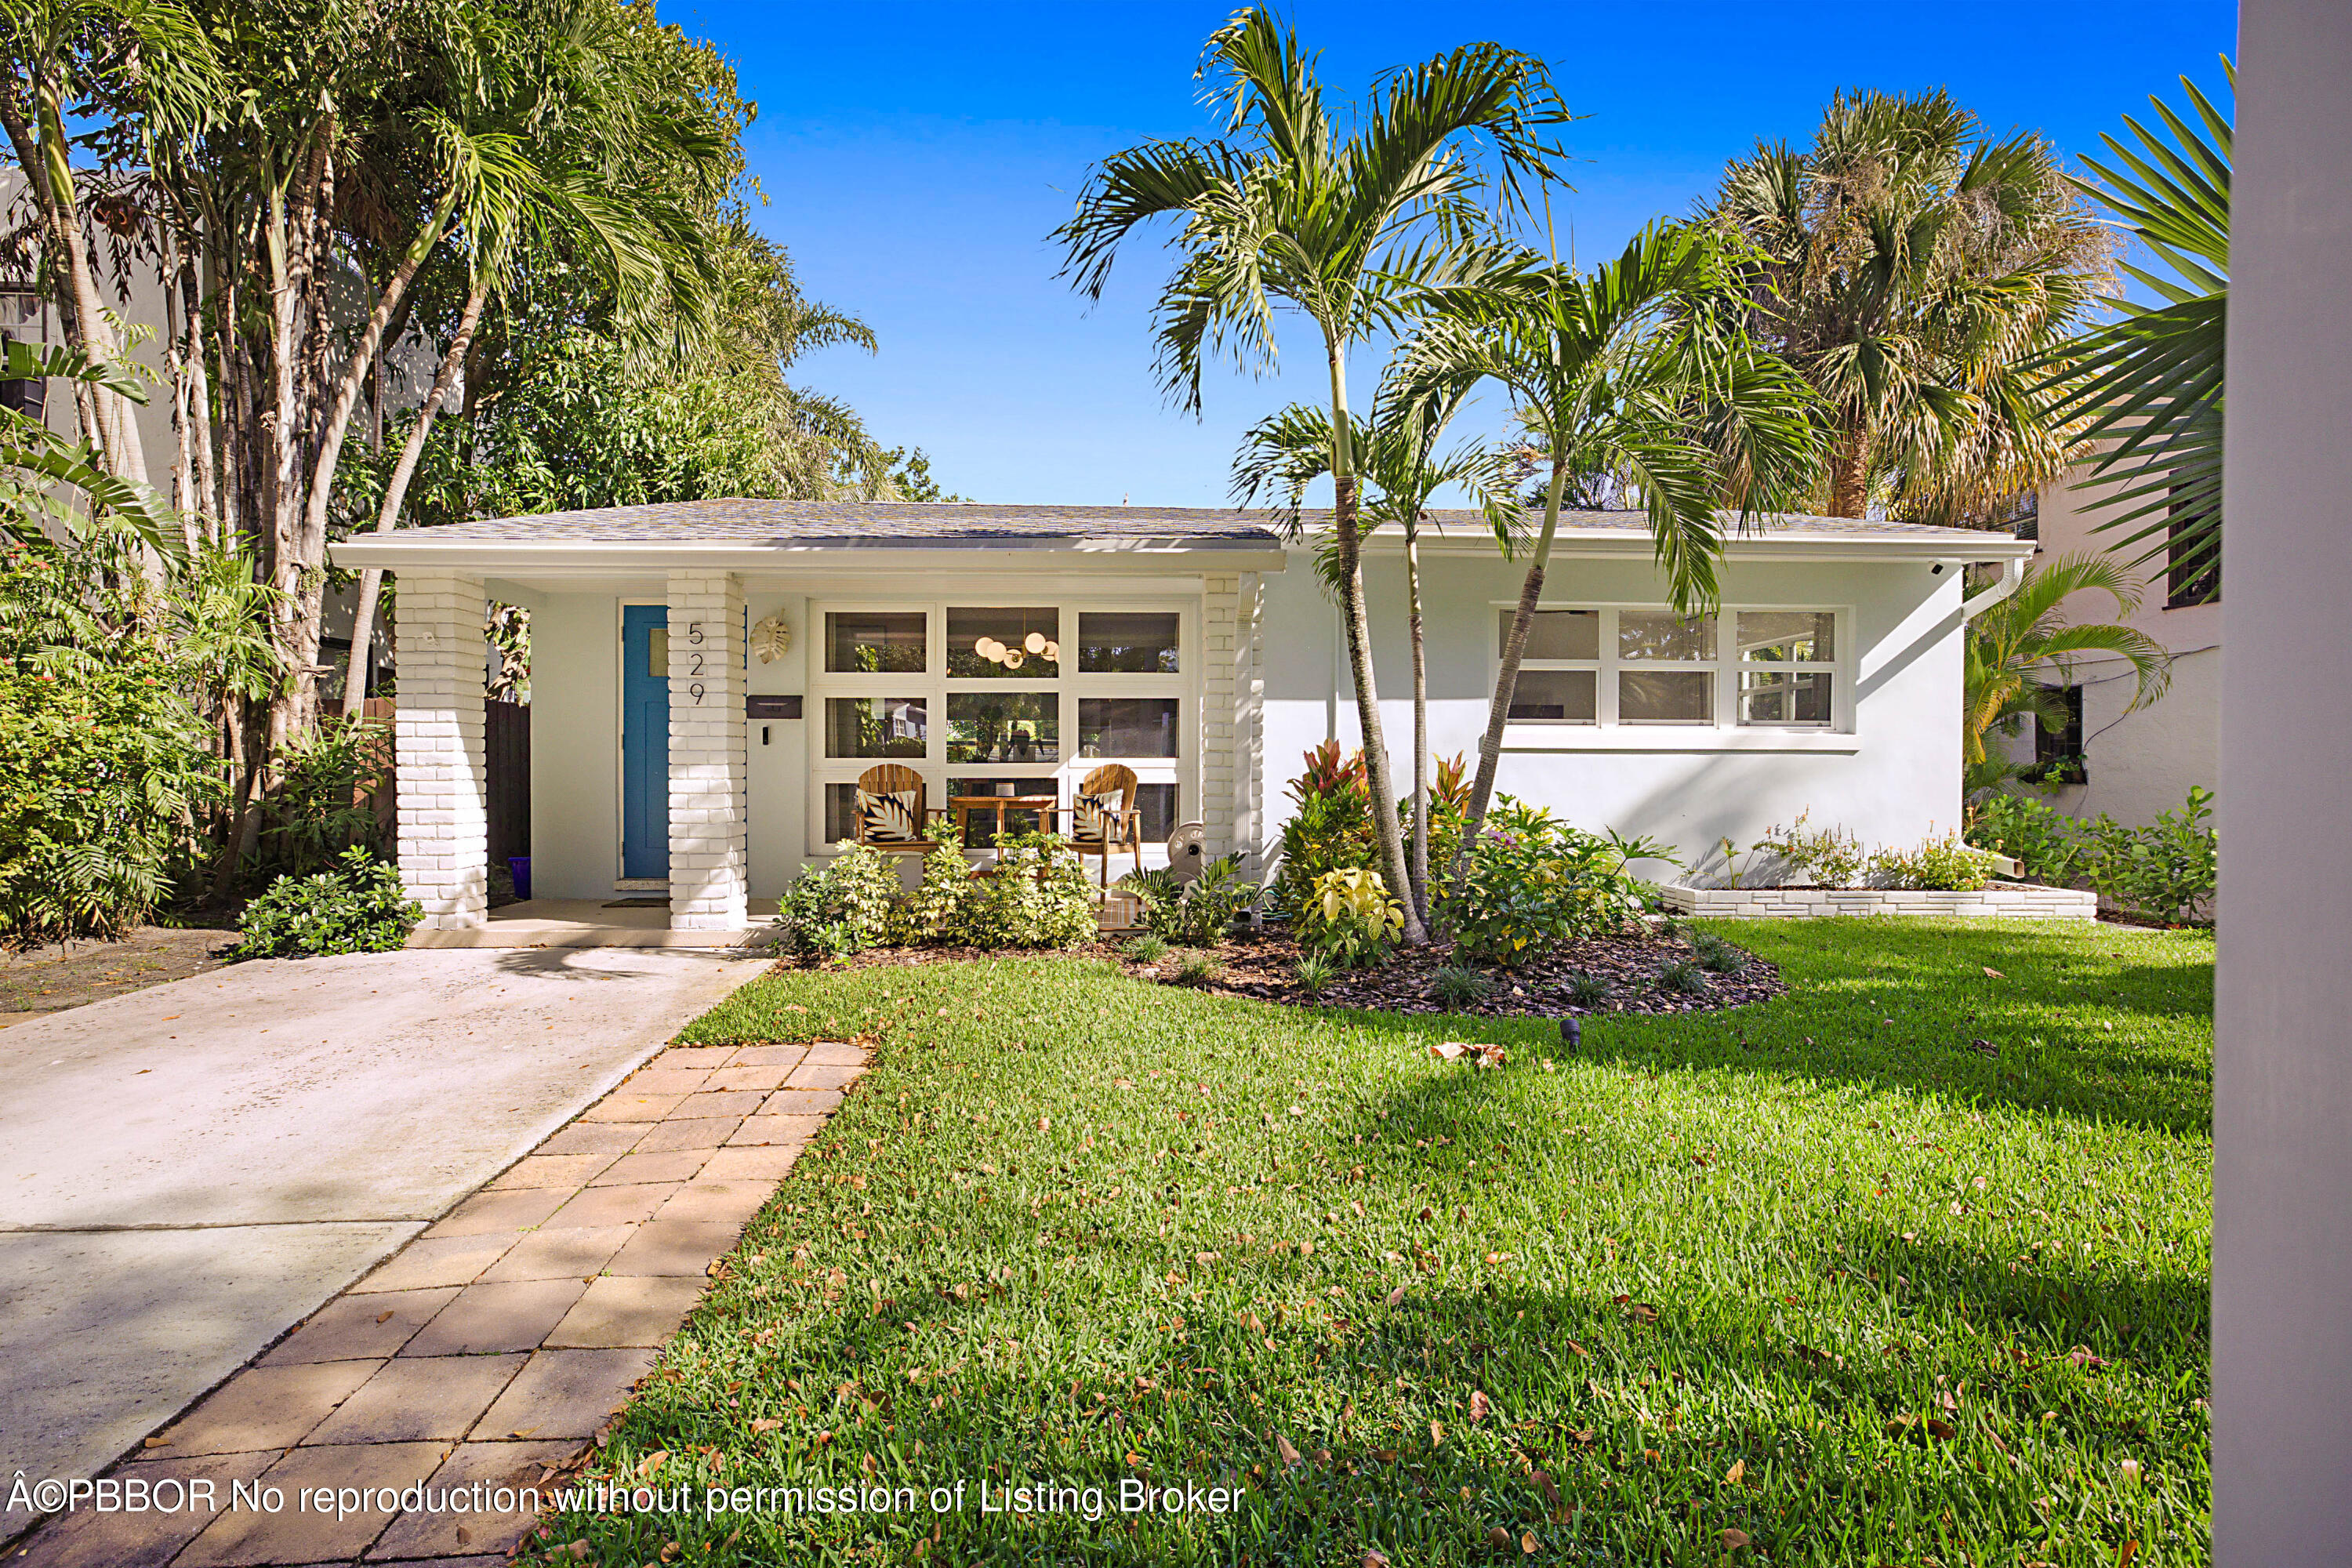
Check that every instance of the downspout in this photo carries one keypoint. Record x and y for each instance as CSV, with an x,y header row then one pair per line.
x,y
2012,573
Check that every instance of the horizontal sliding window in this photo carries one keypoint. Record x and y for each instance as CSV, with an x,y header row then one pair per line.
x,y
1636,666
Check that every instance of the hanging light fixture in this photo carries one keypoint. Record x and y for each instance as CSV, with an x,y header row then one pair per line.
x,y
1014,658
1053,651
988,647
1034,642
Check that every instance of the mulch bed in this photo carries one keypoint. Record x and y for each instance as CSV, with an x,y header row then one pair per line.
x,y
1259,965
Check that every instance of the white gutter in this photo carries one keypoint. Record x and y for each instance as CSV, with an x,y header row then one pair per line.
x,y
2012,573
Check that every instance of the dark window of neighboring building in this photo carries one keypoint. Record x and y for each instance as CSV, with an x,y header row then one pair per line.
x,y
20,321
2058,752
2193,580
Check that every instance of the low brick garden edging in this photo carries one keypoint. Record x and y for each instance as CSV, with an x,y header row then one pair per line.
x,y
1996,900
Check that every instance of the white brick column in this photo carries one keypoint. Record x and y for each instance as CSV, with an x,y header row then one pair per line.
x,y
445,836
1221,769
709,879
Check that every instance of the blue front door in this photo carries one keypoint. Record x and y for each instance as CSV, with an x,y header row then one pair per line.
x,y
644,741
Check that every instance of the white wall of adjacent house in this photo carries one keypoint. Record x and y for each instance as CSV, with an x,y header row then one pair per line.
x,y
2138,763
1880,757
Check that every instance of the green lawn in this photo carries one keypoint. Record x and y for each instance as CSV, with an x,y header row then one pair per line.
x,y
1822,1271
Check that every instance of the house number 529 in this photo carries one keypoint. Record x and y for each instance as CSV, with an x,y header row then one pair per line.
x,y
694,636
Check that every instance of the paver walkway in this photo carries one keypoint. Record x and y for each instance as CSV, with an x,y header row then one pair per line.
x,y
187,1170
494,1346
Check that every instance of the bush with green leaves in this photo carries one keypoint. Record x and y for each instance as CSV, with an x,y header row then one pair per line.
x,y
1314,973
356,906
1331,831
1350,919
104,775
840,907
1037,895
1196,969
1681,978
1945,864
318,807
1586,990
1718,955
1195,913
2045,842
1145,949
1535,882
2166,871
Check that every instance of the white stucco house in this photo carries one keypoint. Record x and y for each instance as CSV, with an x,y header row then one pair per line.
x,y
1192,645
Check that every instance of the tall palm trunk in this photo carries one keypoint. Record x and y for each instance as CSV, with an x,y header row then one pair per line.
x,y
1850,471
1420,868
395,491
1506,681
1356,623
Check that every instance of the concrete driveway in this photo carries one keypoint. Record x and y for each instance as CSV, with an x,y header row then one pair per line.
x,y
188,1170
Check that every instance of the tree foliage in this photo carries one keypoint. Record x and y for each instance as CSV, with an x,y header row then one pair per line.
x,y
1917,271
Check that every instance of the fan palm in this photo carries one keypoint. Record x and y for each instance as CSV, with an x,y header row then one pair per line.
x,y
1643,371
1398,454
2152,383
1349,227
2013,644
1915,272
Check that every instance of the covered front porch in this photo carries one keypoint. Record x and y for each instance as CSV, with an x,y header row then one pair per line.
x,y
703,711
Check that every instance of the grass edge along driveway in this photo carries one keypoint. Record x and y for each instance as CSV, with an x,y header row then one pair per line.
x,y
1907,1267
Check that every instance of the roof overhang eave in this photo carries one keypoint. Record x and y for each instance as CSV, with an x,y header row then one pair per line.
x,y
418,550
1833,547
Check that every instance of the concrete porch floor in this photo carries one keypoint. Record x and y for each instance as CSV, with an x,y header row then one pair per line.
x,y
587,923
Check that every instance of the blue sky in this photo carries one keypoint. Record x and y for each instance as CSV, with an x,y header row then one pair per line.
x,y
915,158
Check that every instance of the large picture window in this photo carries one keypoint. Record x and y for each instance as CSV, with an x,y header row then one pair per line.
x,y
995,699
1638,666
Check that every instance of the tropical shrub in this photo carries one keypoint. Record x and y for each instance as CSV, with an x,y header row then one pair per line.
x,y
1945,864
1194,913
840,907
2044,841
1314,973
319,807
1331,831
1146,948
1534,882
919,917
1037,895
104,777
1196,968
1350,918
356,906
2166,871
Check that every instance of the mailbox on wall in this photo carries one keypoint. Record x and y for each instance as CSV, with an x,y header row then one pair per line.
x,y
758,707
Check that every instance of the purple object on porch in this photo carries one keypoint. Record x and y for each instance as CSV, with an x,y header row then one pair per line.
x,y
518,868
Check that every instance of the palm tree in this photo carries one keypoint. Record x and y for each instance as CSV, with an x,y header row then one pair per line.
x,y
1351,228
1290,450
2152,383
572,144
1915,272
2016,641
1642,371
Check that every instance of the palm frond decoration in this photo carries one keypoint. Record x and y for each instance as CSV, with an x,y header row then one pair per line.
x,y
2149,385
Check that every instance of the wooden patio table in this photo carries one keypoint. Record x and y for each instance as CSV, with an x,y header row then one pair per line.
x,y
1047,806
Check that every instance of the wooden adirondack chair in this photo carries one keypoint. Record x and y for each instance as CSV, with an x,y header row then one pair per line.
x,y
892,814
1103,817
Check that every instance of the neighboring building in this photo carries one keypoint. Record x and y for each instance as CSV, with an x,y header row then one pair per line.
x,y
1185,644
2131,765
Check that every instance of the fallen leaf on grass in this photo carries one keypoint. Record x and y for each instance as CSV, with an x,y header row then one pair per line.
x,y
1500,1539
1289,1455
1528,1544
1996,973
1479,1407
1737,1540
1437,1432
1396,1296
766,1424
1737,1473
1374,1560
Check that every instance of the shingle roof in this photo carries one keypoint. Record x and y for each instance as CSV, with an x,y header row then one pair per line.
x,y
805,523
950,523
